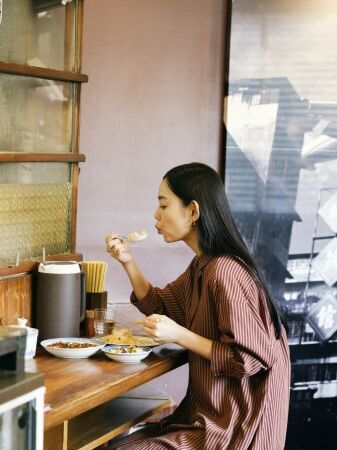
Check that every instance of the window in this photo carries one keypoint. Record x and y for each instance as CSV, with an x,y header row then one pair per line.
x,y
280,166
40,80
281,142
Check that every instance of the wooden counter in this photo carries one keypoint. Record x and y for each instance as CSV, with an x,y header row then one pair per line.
x,y
74,387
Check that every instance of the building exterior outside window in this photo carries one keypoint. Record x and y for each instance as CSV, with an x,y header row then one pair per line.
x,y
280,167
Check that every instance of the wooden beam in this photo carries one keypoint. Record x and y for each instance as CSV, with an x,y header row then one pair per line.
x,y
31,266
41,157
42,72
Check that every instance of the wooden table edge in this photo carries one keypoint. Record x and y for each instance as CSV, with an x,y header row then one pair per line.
x,y
55,417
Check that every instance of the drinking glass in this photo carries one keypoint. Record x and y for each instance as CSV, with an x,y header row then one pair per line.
x,y
104,320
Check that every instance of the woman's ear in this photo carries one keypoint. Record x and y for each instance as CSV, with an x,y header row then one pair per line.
x,y
195,211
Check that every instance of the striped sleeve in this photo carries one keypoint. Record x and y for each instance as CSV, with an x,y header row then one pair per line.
x,y
244,346
168,301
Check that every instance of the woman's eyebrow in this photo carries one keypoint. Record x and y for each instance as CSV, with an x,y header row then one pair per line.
x,y
161,197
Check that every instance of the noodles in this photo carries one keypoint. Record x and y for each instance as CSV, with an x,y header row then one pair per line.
x,y
124,337
119,336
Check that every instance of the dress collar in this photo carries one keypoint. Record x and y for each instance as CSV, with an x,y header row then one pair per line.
x,y
199,262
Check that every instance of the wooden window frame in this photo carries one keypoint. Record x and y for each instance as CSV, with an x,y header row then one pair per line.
x,y
73,157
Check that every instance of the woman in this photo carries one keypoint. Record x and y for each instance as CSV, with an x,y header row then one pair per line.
x,y
220,310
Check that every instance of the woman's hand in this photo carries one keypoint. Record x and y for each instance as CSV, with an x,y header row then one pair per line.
x,y
118,248
163,329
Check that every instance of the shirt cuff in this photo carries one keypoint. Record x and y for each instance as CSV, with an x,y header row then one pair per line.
x,y
221,358
148,304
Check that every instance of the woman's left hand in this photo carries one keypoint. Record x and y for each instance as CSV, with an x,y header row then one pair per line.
x,y
162,329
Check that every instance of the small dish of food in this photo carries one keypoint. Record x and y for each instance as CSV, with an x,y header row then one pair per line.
x,y
130,354
73,347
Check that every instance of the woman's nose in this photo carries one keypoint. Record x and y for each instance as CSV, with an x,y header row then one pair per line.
x,y
156,214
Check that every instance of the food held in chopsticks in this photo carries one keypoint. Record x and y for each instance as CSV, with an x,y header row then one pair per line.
x,y
123,336
137,236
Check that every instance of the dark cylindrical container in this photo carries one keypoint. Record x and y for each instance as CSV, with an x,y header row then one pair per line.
x,y
60,299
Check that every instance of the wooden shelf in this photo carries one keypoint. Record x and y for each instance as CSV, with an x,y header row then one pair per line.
x,y
42,72
12,157
97,426
31,266
107,421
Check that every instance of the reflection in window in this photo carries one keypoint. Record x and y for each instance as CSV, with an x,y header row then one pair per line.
x,y
39,29
36,114
281,142
280,162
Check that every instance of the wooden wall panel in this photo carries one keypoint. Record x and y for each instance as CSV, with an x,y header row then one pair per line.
x,y
3,302
16,298
26,297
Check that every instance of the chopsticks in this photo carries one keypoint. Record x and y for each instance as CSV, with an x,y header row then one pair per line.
x,y
137,322
95,272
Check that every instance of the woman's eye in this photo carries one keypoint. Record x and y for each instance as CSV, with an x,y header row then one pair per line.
x,y
162,206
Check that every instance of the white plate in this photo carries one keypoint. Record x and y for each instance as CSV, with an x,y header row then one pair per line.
x,y
72,352
128,358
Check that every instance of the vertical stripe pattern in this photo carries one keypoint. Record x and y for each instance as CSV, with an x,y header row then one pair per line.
x,y
239,399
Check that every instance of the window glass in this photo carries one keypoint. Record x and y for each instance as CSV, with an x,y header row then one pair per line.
x,y
39,29
35,210
281,144
36,114
280,169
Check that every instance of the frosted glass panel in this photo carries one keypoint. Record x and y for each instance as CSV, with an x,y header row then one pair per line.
x,y
35,209
33,217
36,114
27,173
38,29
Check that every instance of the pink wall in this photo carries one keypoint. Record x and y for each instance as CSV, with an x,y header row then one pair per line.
x,y
154,100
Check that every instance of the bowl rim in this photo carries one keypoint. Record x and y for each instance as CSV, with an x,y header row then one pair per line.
x,y
146,350
45,344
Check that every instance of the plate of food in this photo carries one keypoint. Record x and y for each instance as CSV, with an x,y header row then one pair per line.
x,y
130,354
72,347
124,337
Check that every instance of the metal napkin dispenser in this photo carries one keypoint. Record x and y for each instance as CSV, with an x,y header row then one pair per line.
x,y
12,348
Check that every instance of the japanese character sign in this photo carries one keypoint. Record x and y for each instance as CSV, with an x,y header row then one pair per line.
x,y
323,317
325,263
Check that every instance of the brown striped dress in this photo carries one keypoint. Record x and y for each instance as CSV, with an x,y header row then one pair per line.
x,y
239,399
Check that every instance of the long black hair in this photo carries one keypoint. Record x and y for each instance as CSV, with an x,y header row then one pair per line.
x,y
216,230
